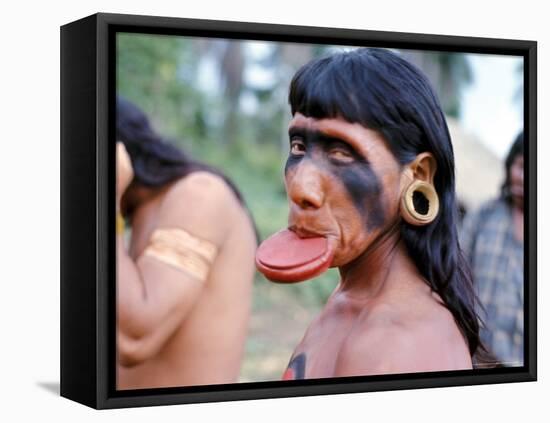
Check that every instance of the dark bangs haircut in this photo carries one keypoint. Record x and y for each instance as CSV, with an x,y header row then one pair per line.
x,y
381,91
156,162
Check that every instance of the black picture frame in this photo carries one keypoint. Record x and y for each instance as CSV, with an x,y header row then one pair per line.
x,y
88,268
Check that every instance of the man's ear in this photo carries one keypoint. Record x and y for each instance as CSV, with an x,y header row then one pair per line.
x,y
417,181
423,168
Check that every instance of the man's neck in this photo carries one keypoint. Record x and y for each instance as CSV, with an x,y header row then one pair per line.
x,y
368,274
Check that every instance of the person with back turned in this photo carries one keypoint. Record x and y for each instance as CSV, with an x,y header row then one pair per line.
x,y
184,278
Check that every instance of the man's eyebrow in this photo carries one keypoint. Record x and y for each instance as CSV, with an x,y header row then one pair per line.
x,y
298,131
304,132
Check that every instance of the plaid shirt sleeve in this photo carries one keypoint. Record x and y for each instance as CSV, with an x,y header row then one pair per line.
x,y
496,258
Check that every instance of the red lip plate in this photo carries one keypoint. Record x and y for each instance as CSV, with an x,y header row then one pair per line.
x,y
285,257
285,249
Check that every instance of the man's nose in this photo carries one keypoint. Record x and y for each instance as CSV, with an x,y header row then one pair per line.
x,y
305,186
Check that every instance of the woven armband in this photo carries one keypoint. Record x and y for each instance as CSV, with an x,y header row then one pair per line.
x,y
178,248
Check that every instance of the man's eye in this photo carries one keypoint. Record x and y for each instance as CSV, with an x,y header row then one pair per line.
x,y
297,148
340,155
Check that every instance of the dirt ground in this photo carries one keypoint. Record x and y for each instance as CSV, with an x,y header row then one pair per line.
x,y
278,322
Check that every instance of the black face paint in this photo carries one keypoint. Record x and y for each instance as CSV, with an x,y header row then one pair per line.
x,y
365,191
292,161
296,368
357,176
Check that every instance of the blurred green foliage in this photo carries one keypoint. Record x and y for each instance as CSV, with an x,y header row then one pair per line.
x,y
156,72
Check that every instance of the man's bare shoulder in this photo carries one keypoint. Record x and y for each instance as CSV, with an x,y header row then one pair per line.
x,y
392,339
202,203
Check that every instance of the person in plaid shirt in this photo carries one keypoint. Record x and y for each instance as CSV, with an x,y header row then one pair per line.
x,y
492,240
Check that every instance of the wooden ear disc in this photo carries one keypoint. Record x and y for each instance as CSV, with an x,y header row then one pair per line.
x,y
420,203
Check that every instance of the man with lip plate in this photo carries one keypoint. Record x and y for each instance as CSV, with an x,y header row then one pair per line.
x,y
370,184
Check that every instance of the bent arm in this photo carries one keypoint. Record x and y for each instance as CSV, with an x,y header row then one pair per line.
x,y
157,291
152,300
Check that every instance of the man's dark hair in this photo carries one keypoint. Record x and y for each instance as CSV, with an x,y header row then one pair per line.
x,y
381,91
156,162
515,150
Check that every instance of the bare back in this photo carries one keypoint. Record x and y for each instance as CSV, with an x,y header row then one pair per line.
x,y
207,345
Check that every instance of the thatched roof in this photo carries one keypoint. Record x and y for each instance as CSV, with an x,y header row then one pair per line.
x,y
479,172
